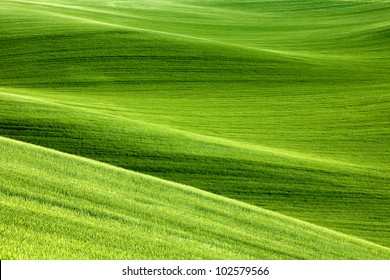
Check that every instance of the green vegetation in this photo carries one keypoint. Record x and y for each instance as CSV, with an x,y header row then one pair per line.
x,y
101,211
282,105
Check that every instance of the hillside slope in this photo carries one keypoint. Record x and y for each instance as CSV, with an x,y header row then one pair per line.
x,y
325,192
57,206
279,104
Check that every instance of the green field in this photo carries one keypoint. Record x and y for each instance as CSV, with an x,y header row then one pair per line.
x,y
185,129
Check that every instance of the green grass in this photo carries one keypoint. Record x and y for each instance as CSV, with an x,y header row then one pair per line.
x,y
70,207
280,104
294,184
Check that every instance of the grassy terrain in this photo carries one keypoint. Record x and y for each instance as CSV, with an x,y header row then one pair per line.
x,y
70,207
279,104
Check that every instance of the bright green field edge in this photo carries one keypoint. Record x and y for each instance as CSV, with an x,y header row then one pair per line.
x,y
59,206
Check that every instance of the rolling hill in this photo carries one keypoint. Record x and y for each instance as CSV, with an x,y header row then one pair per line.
x,y
58,206
277,105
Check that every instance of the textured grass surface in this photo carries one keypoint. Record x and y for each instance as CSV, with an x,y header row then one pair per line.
x,y
328,193
280,104
57,206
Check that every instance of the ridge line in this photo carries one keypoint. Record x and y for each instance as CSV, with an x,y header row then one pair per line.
x,y
275,214
197,136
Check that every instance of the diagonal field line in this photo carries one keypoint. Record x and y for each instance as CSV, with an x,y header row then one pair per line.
x,y
278,219
200,137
